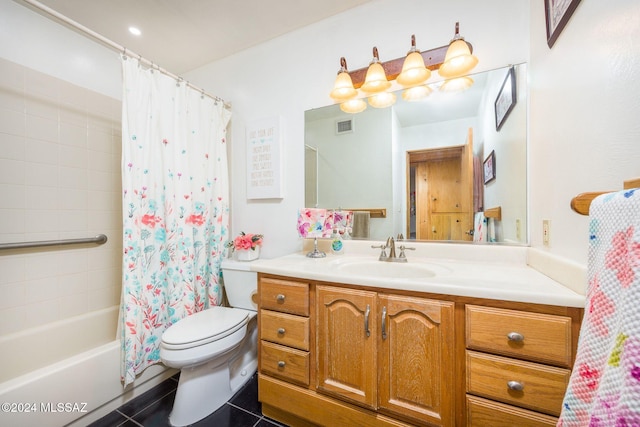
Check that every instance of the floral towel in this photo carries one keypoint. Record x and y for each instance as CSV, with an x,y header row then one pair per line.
x,y
604,389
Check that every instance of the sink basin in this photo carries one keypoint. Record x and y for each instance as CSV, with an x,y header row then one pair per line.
x,y
389,270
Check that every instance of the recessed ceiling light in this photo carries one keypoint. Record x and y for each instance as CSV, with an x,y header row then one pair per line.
x,y
135,31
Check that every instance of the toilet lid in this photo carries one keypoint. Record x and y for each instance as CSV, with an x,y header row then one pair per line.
x,y
207,325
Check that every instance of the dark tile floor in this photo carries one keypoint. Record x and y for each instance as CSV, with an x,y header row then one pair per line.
x,y
152,409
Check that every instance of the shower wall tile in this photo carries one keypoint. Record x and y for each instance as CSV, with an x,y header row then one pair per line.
x,y
42,198
42,128
12,147
13,196
13,122
41,175
39,151
59,179
13,320
12,221
12,295
11,171
13,269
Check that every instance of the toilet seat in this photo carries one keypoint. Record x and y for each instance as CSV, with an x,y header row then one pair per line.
x,y
204,327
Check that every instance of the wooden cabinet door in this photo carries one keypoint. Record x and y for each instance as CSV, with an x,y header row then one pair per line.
x,y
416,357
346,339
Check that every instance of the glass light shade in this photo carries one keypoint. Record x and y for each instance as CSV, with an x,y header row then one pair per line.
x,y
343,88
416,93
457,85
458,61
382,100
353,106
376,79
413,70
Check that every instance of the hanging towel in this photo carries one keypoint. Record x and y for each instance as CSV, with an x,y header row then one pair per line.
x,y
360,225
604,388
478,184
479,228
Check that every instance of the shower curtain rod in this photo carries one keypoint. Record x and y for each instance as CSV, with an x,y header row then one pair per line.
x,y
115,46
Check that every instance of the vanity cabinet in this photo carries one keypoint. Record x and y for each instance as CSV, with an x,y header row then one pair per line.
x,y
342,354
387,352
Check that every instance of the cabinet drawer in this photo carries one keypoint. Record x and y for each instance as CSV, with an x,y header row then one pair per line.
x,y
285,296
536,337
486,413
283,362
285,329
543,386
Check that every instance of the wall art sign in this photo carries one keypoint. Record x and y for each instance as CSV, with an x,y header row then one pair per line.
x,y
557,13
506,99
264,159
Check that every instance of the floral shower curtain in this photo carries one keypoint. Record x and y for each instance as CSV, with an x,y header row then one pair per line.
x,y
175,208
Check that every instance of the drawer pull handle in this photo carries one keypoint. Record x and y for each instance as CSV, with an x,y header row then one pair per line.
x,y
366,321
280,331
515,386
281,364
515,337
384,323
280,298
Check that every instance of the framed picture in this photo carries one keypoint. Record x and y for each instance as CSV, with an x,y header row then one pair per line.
x,y
490,167
506,99
557,13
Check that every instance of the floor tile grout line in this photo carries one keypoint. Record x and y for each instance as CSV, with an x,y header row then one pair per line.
x,y
150,404
243,409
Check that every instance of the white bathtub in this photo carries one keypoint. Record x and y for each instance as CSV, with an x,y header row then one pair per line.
x,y
67,373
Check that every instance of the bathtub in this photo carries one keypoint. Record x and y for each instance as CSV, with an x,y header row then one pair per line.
x,y
67,372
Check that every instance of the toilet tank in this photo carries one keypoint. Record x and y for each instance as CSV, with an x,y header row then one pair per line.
x,y
240,283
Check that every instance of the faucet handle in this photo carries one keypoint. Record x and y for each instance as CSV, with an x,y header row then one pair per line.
x,y
383,254
404,248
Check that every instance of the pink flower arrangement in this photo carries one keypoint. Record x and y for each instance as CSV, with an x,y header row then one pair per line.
x,y
246,241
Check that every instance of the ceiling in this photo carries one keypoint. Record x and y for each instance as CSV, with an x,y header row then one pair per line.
x,y
182,35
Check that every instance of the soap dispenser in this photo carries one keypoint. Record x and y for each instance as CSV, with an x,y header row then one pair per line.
x,y
337,245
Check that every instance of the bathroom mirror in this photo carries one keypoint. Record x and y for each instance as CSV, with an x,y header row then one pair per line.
x,y
397,162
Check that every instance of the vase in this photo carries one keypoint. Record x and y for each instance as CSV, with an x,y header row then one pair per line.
x,y
247,254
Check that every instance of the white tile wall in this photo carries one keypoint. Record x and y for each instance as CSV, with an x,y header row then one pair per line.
x,y
59,179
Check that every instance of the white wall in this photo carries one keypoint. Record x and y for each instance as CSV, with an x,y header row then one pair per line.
x,y
584,126
295,72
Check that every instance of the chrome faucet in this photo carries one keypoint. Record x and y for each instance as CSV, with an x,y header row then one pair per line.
x,y
391,244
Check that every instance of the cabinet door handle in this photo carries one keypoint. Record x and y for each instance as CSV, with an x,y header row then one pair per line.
x,y
384,323
515,386
515,337
281,364
280,331
280,298
366,321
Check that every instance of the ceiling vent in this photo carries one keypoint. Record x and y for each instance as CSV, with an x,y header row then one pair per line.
x,y
344,126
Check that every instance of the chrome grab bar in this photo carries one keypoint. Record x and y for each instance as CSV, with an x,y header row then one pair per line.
x,y
99,239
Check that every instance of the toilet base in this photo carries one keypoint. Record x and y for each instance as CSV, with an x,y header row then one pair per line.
x,y
199,393
204,388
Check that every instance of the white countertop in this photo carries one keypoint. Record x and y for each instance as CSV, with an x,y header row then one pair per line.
x,y
499,273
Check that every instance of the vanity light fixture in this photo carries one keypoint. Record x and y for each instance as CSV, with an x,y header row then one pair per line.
x,y
452,61
343,89
414,71
376,79
459,60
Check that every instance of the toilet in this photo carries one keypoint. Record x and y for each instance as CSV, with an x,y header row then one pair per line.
x,y
216,349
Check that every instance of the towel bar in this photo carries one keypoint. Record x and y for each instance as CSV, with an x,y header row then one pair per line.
x,y
582,202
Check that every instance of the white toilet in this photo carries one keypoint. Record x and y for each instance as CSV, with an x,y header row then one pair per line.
x,y
215,349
